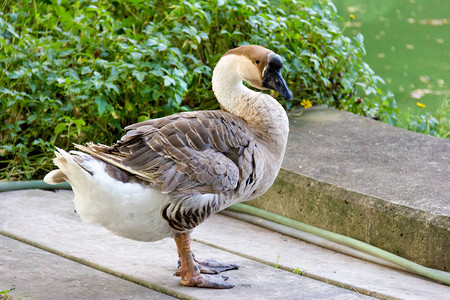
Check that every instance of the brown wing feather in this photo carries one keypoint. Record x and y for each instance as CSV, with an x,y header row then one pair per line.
x,y
206,152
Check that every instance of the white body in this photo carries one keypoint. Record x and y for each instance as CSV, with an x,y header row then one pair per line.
x,y
129,210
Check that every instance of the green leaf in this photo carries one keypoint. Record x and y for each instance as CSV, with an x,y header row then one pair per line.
x,y
65,53
102,105
5,91
114,74
136,55
162,47
140,76
8,148
182,84
79,122
157,73
111,85
151,42
72,74
16,74
10,28
51,54
168,81
60,127
32,86
97,80
85,70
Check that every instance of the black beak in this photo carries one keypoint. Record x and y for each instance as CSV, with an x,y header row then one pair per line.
x,y
272,78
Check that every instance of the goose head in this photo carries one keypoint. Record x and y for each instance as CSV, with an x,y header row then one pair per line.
x,y
258,66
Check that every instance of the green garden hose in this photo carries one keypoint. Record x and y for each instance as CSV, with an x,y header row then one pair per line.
x,y
7,186
408,265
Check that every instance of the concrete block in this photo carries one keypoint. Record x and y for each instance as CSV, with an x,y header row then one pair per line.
x,y
365,179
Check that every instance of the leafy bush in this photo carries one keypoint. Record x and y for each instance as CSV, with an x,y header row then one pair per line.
x,y
77,71
437,123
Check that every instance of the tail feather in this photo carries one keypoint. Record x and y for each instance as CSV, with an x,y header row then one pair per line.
x,y
101,152
67,167
55,177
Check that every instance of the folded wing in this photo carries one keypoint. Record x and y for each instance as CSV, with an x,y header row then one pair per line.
x,y
204,152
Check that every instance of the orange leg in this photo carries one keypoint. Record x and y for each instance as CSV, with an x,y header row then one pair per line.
x,y
190,272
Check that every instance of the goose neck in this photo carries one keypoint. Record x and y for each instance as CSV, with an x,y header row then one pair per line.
x,y
228,87
262,112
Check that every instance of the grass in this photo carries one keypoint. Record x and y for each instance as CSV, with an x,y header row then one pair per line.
x,y
4,295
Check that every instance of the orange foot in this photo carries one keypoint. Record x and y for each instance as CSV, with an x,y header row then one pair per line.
x,y
191,270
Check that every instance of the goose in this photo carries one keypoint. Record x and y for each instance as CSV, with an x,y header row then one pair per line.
x,y
165,176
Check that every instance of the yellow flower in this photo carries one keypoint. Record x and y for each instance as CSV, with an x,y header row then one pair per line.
x,y
420,105
306,103
278,18
352,16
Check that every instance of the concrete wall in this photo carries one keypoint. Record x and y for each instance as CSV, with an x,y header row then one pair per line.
x,y
401,217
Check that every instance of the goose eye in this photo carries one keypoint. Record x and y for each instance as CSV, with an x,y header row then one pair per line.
x,y
257,61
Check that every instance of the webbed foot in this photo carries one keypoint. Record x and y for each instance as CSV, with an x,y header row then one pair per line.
x,y
207,281
214,267
210,266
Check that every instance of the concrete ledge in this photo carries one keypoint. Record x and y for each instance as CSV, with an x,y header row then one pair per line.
x,y
48,253
365,179
46,220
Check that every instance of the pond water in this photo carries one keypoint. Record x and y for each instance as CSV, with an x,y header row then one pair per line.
x,y
407,44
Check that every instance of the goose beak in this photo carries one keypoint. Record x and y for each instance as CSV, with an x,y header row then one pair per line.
x,y
272,78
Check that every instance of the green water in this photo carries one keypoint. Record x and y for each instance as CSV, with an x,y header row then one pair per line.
x,y
407,43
